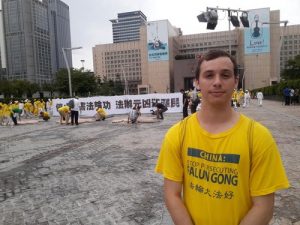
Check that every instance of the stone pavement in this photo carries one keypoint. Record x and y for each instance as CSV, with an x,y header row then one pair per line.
x,y
103,173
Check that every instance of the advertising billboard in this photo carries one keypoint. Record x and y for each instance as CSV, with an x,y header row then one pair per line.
x,y
157,41
257,36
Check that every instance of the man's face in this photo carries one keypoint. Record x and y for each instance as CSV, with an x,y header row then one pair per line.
x,y
217,80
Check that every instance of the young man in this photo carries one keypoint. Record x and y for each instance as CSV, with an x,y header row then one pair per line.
x,y
219,166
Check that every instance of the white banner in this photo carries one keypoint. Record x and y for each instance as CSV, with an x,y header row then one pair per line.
x,y
123,103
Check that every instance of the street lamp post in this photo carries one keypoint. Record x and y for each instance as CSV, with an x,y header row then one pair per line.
x,y
123,66
82,61
282,32
68,67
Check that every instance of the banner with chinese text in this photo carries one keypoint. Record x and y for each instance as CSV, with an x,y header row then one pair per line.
x,y
123,103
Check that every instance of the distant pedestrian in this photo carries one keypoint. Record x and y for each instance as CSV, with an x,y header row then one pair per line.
x,y
75,111
194,100
296,96
287,97
101,114
133,115
45,115
292,94
160,109
247,98
185,102
260,97
64,113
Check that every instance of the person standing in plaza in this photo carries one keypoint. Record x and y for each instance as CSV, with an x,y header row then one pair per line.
x,y
185,102
247,98
260,97
286,94
75,111
194,100
219,166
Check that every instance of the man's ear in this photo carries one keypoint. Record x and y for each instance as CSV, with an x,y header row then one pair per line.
x,y
197,84
236,82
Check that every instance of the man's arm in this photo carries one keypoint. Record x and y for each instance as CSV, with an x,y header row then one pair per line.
x,y
261,212
174,203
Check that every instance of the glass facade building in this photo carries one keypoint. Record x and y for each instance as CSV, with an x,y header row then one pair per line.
x,y
127,26
32,39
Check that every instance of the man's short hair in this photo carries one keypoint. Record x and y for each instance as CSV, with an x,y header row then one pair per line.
x,y
214,54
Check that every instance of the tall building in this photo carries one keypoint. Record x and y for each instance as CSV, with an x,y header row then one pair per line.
x,y
61,33
127,26
290,44
34,32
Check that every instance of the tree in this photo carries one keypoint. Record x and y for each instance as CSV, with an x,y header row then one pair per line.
x,y
109,87
83,82
292,69
32,88
50,87
18,88
5,88
62,82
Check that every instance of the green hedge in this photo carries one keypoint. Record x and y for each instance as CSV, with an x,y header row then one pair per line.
x,y
276,90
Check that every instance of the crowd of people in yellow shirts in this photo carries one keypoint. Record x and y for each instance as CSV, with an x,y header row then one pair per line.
x,y
192,99
12,112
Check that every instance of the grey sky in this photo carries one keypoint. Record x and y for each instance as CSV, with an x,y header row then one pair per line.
x,y
90,23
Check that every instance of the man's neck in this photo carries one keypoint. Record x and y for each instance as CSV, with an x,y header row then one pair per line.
x,y
216,119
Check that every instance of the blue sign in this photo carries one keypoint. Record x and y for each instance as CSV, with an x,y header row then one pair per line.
x,y
157,41
257,36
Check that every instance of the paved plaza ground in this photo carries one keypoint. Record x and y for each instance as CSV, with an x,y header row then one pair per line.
x,y
102,173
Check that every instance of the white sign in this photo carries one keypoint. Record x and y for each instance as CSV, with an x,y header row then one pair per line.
x,y
123,103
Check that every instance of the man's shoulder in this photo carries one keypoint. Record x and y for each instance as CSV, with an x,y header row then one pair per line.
x,y
182,124
258,128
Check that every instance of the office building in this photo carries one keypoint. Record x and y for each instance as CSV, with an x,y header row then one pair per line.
x,y
119,62
127,26
61,33
168,59
290,44
34,32
128,61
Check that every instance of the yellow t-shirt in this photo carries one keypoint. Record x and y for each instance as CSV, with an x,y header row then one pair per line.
x,y
101,112
64,109
27,106
215,169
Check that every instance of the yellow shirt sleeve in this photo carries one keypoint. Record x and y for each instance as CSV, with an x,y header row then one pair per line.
x,y
266,158
169,162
